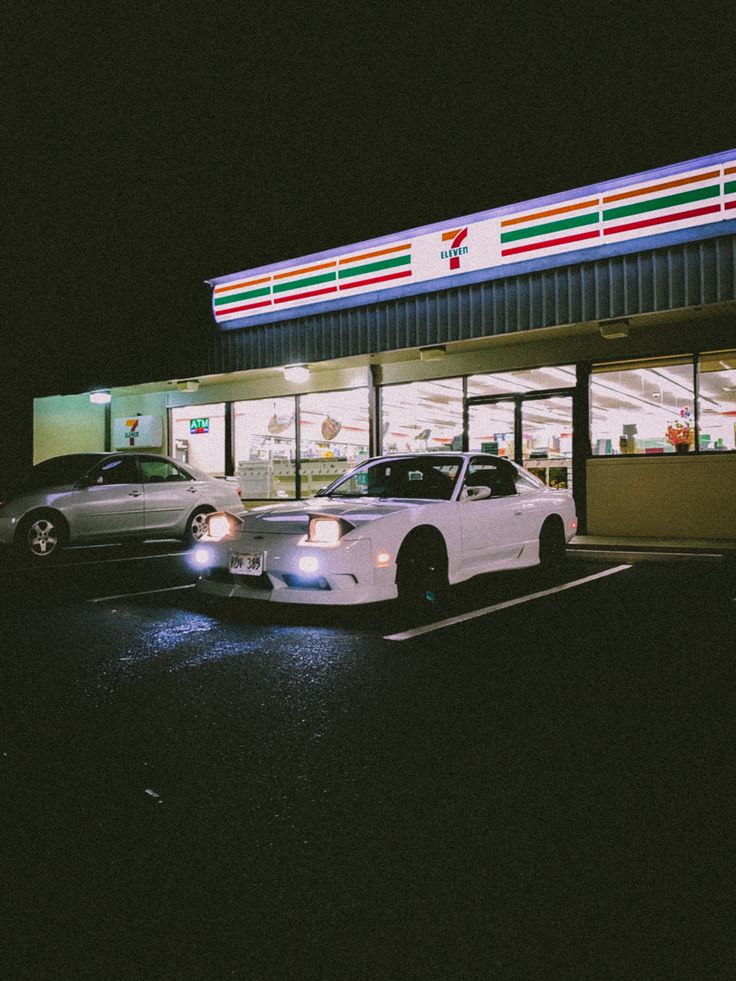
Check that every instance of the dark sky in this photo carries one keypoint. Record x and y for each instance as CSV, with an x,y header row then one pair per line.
x,y
153,146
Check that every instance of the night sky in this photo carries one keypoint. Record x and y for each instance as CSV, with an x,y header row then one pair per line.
x,y
153,147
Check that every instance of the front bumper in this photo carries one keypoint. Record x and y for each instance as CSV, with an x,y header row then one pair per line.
x,y
345,575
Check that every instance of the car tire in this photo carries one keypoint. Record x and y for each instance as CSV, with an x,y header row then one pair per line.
x,y
421,576
196,526
42,536
552,547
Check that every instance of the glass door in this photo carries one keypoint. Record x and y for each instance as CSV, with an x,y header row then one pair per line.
x,y
546,439
532,430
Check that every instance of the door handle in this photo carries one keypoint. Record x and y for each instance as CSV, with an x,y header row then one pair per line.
x,y
518,513
134,493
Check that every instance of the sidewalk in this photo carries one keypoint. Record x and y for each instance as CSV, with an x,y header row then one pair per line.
x,y
652,549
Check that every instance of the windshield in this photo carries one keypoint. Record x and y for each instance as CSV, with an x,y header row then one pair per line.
x,y
426,477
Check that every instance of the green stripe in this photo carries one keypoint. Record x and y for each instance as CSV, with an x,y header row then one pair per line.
x,y
232,297
401,260
729,187
299,283
657,204
549,227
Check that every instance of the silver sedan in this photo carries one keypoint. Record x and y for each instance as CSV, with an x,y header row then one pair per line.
x,y
90,498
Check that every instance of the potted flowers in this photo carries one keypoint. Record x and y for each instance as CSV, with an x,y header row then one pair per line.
x,y
681,432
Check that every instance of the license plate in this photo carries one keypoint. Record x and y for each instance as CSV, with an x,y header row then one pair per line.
x,y
247,565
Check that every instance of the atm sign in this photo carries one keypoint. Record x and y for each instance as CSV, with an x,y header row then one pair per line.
x,y
198,426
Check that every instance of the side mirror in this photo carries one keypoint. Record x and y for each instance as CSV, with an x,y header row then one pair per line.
x,y
476,493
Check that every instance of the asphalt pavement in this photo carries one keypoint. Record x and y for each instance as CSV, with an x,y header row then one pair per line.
x,y
536,783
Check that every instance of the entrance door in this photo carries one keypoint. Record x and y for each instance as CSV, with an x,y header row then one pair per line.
x,y
534,430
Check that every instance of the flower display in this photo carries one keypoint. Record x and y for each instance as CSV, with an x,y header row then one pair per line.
x,y
681,431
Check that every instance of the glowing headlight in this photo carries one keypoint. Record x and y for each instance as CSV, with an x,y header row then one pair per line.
x,y
308,563
221,524
201,556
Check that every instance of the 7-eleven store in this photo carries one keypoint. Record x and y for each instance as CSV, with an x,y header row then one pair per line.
x,y
589,335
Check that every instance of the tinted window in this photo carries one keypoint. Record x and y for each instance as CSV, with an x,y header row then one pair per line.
x,y
160,471
116,470
60,470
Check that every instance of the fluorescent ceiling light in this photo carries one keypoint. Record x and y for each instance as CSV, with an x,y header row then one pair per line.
x,y
100,397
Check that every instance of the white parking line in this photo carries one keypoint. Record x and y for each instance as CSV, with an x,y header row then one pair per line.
x,y
129,558
143,592
451,621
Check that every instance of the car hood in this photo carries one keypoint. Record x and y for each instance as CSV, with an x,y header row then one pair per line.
x,y
293,518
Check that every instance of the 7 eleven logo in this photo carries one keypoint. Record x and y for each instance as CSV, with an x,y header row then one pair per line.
x,y
456,249
131,430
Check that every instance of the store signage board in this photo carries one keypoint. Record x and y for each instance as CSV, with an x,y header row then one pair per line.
x,y
142,432
198,427
661,202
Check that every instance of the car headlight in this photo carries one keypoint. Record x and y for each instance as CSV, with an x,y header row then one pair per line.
x,y
220,524
326,530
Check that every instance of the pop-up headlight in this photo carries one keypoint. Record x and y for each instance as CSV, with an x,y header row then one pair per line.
x,y
221,524
326,530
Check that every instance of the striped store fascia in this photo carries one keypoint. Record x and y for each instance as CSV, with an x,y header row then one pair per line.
x,y
371,268
674,201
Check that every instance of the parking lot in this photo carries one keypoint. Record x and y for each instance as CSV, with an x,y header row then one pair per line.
x,y
535,787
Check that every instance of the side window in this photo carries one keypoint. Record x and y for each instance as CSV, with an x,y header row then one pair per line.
x,y
118,470
489,473
160,472
526,482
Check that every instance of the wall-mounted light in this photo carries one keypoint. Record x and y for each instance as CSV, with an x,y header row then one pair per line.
x,y
611,329
434,353
296,372
100,397
188,385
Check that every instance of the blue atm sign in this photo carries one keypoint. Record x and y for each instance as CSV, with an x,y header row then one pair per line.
x,y
197,426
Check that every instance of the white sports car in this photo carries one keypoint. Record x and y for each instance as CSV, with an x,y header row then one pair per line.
x,y
405,526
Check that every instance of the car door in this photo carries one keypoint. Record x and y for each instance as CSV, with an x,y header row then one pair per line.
x,y
492,527
171,494
109,504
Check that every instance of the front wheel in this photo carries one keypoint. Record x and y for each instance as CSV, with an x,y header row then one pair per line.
x,y
421,580
41,537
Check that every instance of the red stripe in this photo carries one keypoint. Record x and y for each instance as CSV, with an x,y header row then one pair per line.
x,y
550,242
662,219
375,279
244,306
729,204
303,296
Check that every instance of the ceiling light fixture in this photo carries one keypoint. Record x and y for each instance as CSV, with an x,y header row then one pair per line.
x,y
188,385
296,372
434,353
101,396
612,329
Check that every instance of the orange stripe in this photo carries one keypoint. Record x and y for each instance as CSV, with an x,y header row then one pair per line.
x,y
446,236
372,255
552,211
236,286
304,269
730,170
661,187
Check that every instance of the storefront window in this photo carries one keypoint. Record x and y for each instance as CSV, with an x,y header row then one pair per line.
x,y
422,416
491,429
717,401
646,407
264,446
531,380
333,435
198,436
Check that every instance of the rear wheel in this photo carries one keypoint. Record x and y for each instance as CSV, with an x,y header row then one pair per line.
x,y
42,536
552,548
196,526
